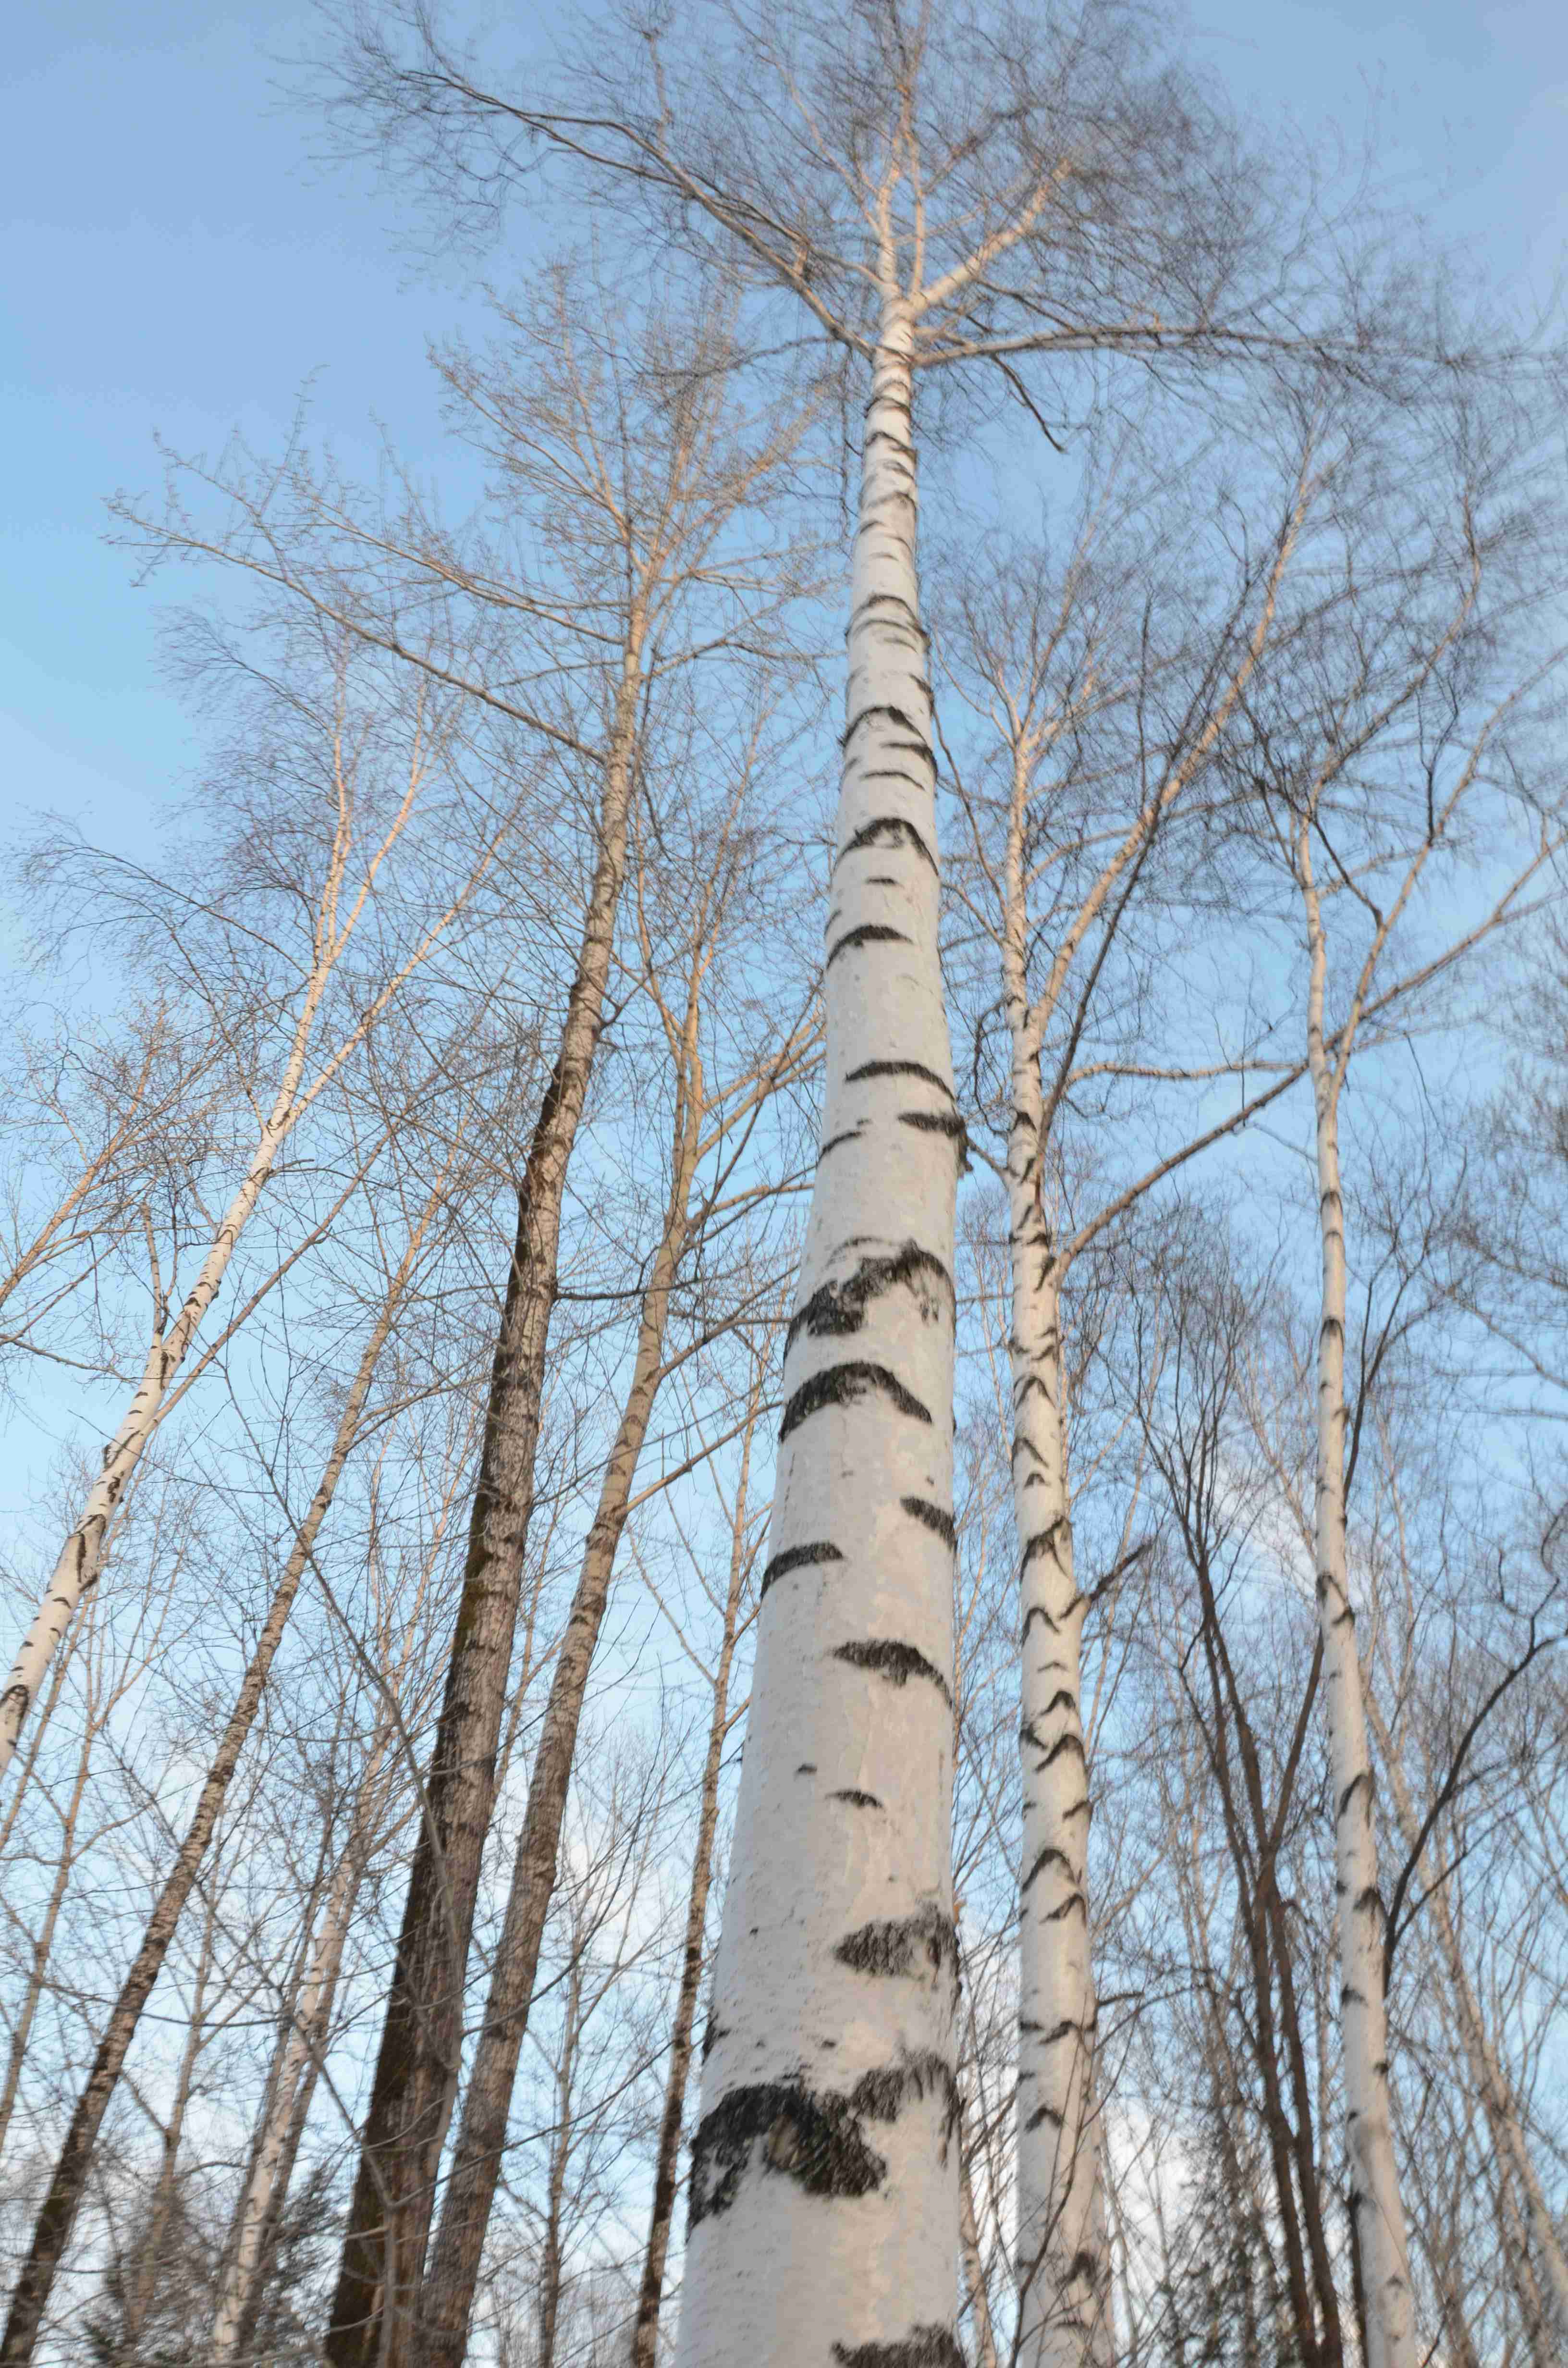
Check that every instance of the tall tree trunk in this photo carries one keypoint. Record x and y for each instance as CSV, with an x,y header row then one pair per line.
x,y
52,2232
1063,2258
1376,2207
419,2059
646,2332
448,2299
823,2193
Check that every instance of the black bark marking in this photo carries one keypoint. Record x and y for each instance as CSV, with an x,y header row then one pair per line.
x,y
807,1768
885,830
843,1385
870,933
895,1945
840,1307
1047,1856
920,1509
946,1122
799,1558
1047,1541
899,1069
897,1663
882,2095
923,2347
849,1134
894,715
809,2136
1076,1901
712,2032
857,1800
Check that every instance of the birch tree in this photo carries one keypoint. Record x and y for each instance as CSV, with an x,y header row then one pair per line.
x,y
631,463
961,193
1037,661
357,843
714,1121
401,1682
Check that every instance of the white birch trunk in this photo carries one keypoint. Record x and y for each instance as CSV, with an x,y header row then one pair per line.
x,y
1375,2204
1063,2265
824,2199
1064,2260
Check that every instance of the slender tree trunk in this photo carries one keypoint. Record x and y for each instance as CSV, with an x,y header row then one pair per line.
x,y
453,2275
549,2273
1548,2326
292,2081
1376,2207
1064,2258
43,1942
81,1557
645,2333
419,2060
824,2194
974,2273
53,2232
143,2290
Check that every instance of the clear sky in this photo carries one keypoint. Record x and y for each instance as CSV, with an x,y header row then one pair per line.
x,y
174,264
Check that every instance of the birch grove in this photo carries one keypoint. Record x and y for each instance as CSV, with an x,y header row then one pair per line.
x,y
790,1280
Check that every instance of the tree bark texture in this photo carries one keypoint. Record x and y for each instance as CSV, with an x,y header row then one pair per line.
x,y
417,2067
453,2276
824,2189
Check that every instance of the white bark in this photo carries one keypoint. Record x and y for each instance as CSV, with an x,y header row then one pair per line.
x,y
1064,2264
825,2212
1376,2207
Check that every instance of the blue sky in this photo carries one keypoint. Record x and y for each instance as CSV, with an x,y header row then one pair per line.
x,y
175,265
